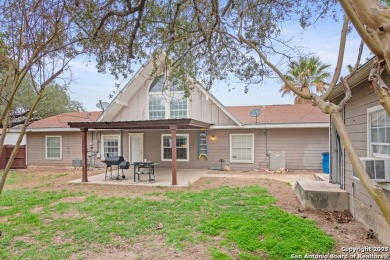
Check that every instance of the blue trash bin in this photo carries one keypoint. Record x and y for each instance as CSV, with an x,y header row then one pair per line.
x,y
325,162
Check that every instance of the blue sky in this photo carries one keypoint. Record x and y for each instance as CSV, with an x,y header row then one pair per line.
x,y
88,86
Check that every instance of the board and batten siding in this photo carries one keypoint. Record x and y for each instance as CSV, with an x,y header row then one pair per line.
x,y
137,106
356,123
203,109
71,148
199,108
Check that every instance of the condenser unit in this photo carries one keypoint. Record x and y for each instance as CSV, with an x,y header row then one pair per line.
x,y
377,168
277,160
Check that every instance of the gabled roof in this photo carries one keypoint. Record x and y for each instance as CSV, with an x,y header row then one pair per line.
x,y
280,114
138,81
131,87
60,122
219,105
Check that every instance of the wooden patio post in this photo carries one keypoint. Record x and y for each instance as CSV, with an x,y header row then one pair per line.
x,y
174,173
84,132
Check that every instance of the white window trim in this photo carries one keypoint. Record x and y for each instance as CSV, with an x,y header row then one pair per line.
x,y
179,160
169,105
148,100
369,153
232,160
166,103
103,156
53,158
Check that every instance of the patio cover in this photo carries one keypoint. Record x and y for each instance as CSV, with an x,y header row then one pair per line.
x,y
172,124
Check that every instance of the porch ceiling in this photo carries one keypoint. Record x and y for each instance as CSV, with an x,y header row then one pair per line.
x,y
143,124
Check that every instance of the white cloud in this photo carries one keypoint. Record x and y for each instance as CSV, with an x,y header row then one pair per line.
x,y
323,40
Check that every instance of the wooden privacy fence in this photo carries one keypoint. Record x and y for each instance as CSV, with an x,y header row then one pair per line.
x,y
19,161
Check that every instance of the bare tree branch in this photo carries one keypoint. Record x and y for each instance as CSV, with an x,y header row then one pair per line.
x,y
340,58
111,13
347,92
275,69
357,64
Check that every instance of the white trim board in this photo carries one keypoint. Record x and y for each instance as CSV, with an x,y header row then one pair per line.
x,y
271,126
129,87
47,129
219,105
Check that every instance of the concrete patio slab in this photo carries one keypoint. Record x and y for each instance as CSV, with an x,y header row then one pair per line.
x,y
290,178
186,177
163,176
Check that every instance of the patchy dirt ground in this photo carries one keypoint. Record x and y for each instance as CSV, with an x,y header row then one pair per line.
x,y
351,234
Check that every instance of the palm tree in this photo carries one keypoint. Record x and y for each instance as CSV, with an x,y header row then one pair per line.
x,y
306,74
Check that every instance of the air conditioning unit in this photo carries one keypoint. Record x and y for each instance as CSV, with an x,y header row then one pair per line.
x,y
277,160
377,168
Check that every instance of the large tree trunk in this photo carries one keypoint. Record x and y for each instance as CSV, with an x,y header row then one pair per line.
x,y
375,192
20,138
25,125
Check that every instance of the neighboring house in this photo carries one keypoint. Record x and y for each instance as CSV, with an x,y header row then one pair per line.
x,y
300,131
369,128
11,138
51,142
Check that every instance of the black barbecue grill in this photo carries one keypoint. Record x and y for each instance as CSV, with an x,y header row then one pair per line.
x,y
116,160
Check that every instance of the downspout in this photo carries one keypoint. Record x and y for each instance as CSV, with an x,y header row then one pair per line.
x,y
330,151
121,137
265,133
343,154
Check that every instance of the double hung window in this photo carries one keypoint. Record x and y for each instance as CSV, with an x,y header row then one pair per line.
x,y
182,147
166,102
242,148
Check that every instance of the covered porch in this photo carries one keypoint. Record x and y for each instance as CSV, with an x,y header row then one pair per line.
x,y
173,125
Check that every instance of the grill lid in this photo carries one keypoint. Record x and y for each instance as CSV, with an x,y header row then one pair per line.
x,y
113,160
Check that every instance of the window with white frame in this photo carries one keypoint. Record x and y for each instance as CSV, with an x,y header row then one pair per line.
x,y
182,147
166,103
53,146
378,132
156,107
242,148
178,108
110,145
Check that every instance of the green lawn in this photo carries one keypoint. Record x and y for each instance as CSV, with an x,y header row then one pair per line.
x,y
236,223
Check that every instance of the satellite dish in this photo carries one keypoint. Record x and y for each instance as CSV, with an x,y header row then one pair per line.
x,y
102,105
255,113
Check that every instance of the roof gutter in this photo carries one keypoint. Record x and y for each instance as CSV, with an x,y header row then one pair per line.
x,y
273,126
39,130
360,76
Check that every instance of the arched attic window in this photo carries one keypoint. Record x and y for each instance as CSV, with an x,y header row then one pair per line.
x,y
166,102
